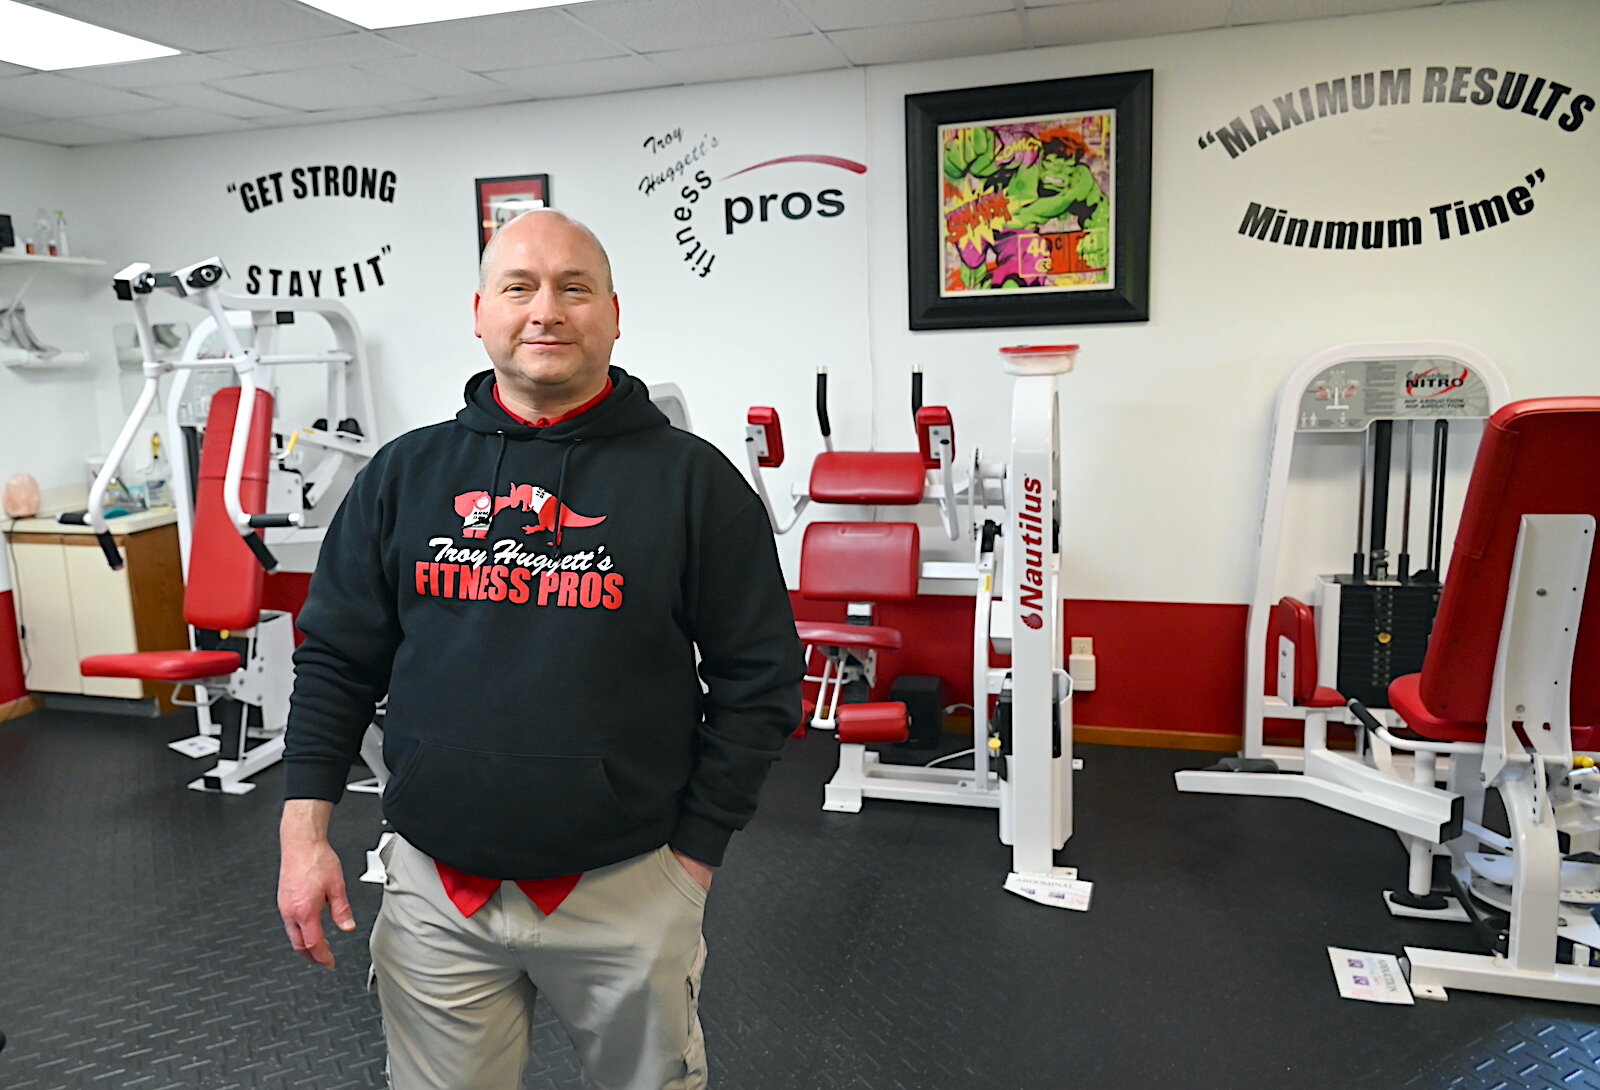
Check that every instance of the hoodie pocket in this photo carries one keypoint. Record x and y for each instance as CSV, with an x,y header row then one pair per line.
x,y
516,804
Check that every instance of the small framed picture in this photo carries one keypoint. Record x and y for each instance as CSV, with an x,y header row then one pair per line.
x,y
501,200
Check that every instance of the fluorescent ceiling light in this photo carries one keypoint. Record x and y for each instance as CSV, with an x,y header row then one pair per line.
x,y
43,39
377,14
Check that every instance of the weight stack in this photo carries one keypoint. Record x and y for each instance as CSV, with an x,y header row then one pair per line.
x,y
1383,634
924,701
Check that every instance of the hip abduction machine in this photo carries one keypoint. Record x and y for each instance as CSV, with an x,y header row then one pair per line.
x,y
1505,698
245,481
1022,756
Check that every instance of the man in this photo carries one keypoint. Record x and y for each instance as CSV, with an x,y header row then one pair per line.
x,y
529,584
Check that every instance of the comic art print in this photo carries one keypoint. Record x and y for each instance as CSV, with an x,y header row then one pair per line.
x,y
1027,204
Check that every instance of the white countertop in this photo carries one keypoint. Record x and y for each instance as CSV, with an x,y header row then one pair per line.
x,y
122,524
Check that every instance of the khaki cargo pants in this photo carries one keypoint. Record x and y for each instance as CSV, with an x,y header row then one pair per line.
x,y
619,961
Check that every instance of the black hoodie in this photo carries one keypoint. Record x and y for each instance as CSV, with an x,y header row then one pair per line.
x,y
531,600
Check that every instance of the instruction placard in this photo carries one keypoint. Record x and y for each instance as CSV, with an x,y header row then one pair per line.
x,y
1376,978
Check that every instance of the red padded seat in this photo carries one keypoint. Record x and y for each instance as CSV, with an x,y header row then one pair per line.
x,y
1405,697
864,723
848,635
868,477
860,561
162,665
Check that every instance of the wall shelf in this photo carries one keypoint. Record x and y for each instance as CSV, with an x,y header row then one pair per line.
x,y
46,259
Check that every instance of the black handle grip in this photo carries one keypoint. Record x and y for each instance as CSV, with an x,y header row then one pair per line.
x,y
73,518
916,393
1368,720
270,521
108,545
263,554
822,404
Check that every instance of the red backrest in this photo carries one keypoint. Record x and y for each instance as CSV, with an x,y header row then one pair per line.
x,y
928,418
1538,457
867,477
766,417
860,561
1294,619
223,589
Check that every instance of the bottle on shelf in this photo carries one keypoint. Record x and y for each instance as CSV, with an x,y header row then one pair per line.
x,y
61,234
44,232
156,491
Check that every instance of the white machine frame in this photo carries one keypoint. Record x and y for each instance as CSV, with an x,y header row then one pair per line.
x,y
1034,796
1266,591
268,676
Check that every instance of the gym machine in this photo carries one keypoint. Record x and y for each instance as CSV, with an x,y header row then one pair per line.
x,y
1022,755
278,486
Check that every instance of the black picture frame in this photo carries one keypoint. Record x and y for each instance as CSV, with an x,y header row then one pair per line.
x,y
492,197
937,298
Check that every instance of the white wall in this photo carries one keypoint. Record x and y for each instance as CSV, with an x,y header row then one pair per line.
x,y
1165,422
45,415
1165,426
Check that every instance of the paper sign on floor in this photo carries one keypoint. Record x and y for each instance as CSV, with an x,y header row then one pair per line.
x,y
1057,891
1376,978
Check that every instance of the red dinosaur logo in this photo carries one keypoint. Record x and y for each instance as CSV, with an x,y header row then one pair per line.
x,y
477,511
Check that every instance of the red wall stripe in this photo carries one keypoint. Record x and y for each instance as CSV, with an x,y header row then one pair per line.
x,y
11,683
1160,665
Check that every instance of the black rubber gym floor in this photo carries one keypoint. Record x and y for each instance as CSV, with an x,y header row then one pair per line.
x,y
140,945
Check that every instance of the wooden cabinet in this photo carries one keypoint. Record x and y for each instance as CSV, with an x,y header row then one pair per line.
x,y
70,604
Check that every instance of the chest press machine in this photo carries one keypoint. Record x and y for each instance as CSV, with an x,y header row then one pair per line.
x,y
1021,757
246,482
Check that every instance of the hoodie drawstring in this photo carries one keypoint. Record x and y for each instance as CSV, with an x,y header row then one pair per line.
x,y
561,489
494,485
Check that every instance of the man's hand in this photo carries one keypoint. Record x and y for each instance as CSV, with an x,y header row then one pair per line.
x,y
310,879
700,872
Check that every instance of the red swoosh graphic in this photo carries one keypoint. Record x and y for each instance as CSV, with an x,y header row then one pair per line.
x,y
826,160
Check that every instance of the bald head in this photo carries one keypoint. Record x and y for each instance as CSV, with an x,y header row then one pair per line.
x,y
537,220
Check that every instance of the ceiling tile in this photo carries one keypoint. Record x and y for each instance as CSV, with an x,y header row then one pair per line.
x,y
749,60
172,121
435,77
67,134
161,71
321,89
321,117
518,40
970,36
61,96
1280,11
1118,20
204,25
655,25
207,98
19,117
314,53
847,14
462,102
587,78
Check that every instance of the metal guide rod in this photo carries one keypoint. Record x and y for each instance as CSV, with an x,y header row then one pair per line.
x,y
1358,566
1405,508
1382,444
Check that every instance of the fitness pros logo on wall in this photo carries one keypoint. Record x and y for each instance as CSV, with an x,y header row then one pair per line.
x,y
746,207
